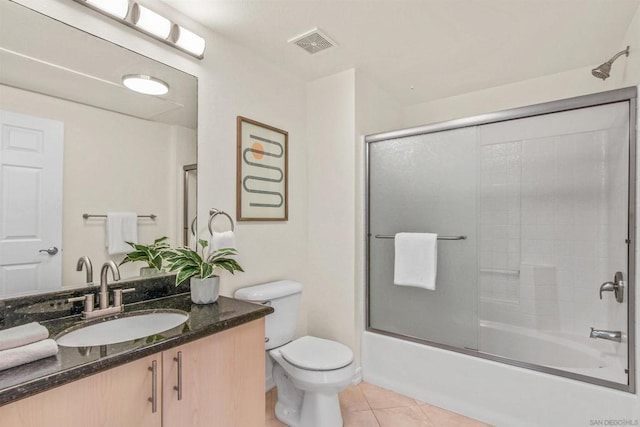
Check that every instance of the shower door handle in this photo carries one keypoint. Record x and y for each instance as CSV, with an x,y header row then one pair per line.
x,y
617,287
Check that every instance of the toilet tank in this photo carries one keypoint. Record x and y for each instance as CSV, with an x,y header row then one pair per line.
x,y
284,297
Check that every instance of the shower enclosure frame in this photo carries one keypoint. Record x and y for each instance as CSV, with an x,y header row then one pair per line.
x,y
629,95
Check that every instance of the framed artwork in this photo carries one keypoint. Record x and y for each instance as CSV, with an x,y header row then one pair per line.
x,y
262,184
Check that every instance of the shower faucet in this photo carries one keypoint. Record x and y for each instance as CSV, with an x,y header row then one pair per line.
x,y
606,335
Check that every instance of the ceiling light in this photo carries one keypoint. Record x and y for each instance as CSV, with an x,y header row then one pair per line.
x,y
145,84
188,41
151,22
117,8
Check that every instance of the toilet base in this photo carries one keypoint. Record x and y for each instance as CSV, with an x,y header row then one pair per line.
x,y
298,408
320,410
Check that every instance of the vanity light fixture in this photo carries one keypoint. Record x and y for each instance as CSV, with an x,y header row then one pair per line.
x,y
117,8
145,20
143,83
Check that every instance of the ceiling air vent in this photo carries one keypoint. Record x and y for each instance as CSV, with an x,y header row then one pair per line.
x,y
313,41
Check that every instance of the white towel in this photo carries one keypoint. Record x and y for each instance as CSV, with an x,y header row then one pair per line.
x,y
22,335
416,259
121,227
226,239
27,353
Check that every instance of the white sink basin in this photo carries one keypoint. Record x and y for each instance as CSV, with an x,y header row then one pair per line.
x,y
127,327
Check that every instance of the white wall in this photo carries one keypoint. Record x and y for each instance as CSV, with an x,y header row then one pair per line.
x,y
625,72
340,109
98,178
331,160
232,81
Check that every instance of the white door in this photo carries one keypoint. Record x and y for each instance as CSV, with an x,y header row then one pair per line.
x,y
30,204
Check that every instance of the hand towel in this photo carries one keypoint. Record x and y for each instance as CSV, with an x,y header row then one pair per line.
x,y
121,227
22,335
226,239
416,259
27,353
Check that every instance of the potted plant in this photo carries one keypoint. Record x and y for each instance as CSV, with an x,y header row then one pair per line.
x,y
205,285
151,254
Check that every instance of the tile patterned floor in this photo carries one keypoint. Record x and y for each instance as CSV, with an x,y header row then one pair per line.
x,y
366,405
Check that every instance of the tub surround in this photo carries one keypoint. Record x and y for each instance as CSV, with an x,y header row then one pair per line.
x,y
75,363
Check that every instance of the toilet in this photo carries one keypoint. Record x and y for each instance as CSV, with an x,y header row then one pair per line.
x,y
308,372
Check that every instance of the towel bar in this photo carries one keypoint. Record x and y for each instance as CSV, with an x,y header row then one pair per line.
x,y
87,216
383,236
214,212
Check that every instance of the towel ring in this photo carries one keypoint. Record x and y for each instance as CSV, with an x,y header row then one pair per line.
x,y
214,212
193,226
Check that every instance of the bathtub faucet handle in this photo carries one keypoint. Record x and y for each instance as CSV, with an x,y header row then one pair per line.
x,y
616,287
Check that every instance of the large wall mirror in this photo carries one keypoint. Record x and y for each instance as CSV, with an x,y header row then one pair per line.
x,y
76,141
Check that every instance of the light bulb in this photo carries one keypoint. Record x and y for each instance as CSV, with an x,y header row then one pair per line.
x,y
151,22
190,41
117,8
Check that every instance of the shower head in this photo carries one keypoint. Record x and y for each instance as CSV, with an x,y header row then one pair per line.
x,y
602,71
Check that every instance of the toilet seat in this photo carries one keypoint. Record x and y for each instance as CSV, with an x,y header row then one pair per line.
x,y
316,354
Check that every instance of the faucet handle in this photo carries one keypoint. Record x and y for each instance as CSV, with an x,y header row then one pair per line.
x,y
117,296
88,302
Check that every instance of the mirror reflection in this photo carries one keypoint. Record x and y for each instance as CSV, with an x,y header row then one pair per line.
x,y
76,141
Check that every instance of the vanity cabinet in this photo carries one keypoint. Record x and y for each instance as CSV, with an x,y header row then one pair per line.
x,y
117,397
220,379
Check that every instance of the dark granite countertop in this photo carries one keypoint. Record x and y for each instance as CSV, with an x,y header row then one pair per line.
x,y
73,363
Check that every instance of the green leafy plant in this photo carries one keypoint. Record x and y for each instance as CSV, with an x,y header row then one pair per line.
x,y
151,254
189,263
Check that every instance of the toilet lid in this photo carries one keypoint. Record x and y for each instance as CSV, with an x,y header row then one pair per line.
x,y
317,354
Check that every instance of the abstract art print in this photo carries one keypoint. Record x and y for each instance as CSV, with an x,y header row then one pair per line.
x,y
262,172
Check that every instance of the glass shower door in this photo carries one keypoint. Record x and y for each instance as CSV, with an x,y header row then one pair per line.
x,y
553,196
427,184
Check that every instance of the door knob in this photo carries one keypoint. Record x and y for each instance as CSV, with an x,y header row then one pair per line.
x,y
51,251
617,287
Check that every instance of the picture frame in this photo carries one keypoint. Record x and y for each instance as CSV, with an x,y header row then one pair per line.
x,y
262,185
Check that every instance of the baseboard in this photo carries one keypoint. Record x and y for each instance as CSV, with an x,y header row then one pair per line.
x,y
357,377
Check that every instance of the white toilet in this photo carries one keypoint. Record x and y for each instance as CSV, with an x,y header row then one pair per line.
x,y
308,372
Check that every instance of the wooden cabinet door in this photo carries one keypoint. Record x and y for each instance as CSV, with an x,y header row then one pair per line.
x,y
222,380
117,397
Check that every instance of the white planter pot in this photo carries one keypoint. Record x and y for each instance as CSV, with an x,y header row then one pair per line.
x,y
149,271
205,291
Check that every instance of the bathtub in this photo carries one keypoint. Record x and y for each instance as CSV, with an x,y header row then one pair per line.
x,y
497,393
559,350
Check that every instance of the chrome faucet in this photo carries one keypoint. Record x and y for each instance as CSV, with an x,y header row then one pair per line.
x,y
86,262
103,296
606,335
104,309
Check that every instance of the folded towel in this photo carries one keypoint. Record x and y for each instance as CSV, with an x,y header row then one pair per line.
x,y
226,239
22,335
27,353
121,227
416,259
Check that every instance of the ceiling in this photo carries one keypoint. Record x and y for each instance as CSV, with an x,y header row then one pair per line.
x,y
420,50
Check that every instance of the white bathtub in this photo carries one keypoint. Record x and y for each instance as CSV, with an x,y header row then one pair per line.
x,y
559,350
493,392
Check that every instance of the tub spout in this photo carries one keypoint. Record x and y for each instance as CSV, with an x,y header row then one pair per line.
x,y
606,335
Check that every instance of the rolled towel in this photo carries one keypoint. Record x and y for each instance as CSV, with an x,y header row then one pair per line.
x,y
22,335
27,353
